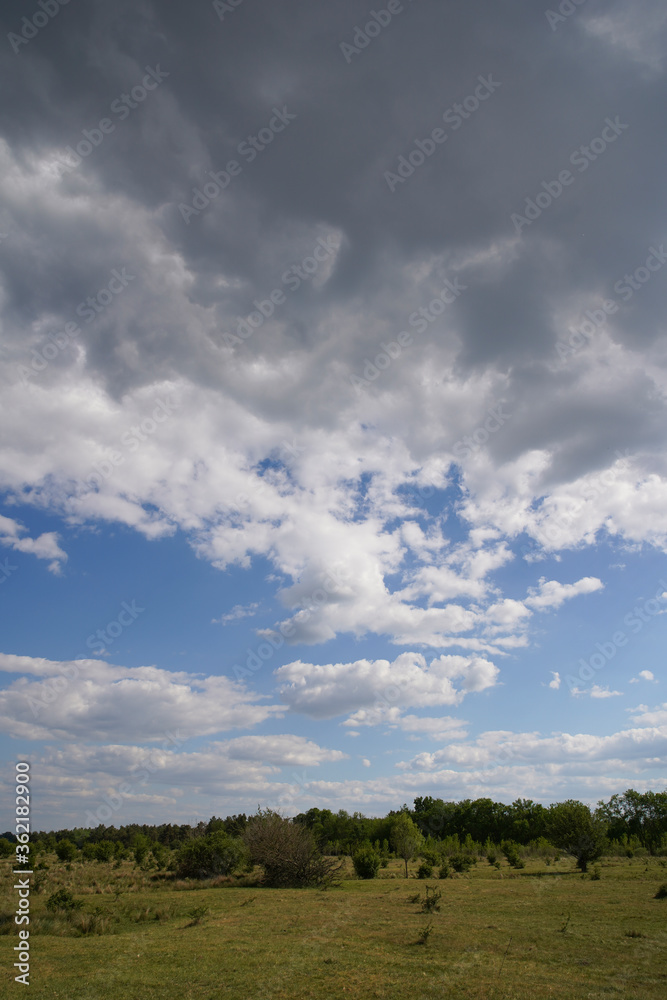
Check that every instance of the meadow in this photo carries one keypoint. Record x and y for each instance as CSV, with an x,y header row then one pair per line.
x,y
494,934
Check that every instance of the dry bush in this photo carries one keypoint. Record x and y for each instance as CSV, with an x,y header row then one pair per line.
x,y
287,853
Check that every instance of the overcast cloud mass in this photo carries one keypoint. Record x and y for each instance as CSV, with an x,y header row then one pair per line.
x,y
352,325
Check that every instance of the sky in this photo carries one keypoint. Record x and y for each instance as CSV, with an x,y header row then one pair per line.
x,y
333,410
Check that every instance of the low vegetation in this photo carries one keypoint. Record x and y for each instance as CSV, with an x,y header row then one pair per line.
x,y
483,934
263,906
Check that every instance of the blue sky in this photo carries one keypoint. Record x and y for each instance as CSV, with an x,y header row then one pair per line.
x,y
316,489
176,612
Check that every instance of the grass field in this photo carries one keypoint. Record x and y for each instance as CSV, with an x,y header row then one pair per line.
x,y
499,935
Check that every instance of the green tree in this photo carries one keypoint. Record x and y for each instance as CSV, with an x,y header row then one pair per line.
x,y
214,854
643,815
141,845
104,850
406,838
573,828
366,861
66,850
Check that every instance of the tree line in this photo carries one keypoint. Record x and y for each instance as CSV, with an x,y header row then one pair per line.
x,y
299,851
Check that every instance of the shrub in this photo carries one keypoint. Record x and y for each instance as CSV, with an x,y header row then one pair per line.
x,y
215,854
160,855
90,923
662,892
595,874
425,870
462,862
445,871
66,850
425,933
104,850
198,913
366,862
141,845
287,852
63,901
431,901
511,852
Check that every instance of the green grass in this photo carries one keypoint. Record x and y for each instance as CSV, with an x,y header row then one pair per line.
x,y
499,935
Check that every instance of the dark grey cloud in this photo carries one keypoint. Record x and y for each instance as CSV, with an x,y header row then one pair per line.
x,y
323,175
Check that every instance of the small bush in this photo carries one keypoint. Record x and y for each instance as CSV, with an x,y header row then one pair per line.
x,y
445,871
366,862
90,923
425,870
63,901
66,850
492,857
596,874
431,901
461,862
104,850
198,913
214,854
424,934
511,852
662,892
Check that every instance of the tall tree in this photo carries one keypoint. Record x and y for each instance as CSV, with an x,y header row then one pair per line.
x,y
572,827
405,838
